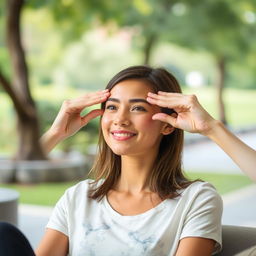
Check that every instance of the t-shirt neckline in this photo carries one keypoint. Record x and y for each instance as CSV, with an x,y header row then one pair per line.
x,y
116,214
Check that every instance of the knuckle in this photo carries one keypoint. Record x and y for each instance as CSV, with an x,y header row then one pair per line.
x,y
192,99
66,103
87,95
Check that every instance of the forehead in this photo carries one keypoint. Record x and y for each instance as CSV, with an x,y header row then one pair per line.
x,y
131,88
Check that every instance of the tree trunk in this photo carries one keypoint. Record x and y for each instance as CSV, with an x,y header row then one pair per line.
x,y
28,126
221,65
150,41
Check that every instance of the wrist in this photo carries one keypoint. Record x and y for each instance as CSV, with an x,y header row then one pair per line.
x,y
50,139
51,135
213,128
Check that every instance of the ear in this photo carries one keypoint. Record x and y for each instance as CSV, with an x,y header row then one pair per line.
x,y
167,129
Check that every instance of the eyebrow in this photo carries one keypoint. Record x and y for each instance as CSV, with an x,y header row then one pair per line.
x,y
131,100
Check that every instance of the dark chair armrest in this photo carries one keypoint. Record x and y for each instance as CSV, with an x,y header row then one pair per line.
x,y
236,239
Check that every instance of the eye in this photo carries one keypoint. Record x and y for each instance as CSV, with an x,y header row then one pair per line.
x,y
111,107
138,108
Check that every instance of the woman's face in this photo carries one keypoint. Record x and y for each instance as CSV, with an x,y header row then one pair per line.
x,y
127,123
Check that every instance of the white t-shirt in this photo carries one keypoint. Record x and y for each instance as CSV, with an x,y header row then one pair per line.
x,y
96,229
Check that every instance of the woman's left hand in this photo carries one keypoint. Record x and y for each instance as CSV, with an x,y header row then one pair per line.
x,y
191,116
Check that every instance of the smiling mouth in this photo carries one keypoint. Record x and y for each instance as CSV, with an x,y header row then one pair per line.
x,y
122,135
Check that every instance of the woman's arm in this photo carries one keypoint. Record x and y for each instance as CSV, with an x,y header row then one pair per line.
x,y
243,155
195,246
192,117
69,119
53,243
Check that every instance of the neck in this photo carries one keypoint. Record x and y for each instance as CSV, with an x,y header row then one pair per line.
x,y
134,173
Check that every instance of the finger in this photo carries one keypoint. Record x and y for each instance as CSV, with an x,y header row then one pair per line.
x,y
170,93
77,105
159,102
96,99
174,101
95,94
91,115
165,118
165,95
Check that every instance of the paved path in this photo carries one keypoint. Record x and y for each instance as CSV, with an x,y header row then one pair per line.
x,y
206,156
32,221
239,206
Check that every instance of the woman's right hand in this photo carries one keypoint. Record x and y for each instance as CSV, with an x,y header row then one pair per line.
x,y
69,119
190,115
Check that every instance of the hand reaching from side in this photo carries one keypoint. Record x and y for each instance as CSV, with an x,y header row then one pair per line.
x,y
191,116
69,119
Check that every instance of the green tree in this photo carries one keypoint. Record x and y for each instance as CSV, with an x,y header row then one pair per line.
x,y
73,18
213,26
18,89
153,19
216,27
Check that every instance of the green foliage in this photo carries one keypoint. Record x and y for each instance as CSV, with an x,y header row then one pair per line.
x,y
241,76
5,61
91,62
212,26
180,61
8,137
42,55
73,17
240,104
47,111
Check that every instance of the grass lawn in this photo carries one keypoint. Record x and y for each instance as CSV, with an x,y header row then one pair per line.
x,y
49,193
41,194
224,183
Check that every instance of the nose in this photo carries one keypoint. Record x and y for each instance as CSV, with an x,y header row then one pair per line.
x,y
121,118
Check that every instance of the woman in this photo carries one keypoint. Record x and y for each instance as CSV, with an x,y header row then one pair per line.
x,y
144,205
140,202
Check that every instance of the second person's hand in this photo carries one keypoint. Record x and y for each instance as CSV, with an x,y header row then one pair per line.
x,y
69,119
191,116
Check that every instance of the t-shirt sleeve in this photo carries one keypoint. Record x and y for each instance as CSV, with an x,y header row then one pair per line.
x,y
58,220
203,218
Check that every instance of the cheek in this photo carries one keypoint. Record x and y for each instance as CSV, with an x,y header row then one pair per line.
x,y
149,121
149,124
105,123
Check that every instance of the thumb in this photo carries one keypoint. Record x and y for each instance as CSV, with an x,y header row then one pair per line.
x,y
165,118
92,114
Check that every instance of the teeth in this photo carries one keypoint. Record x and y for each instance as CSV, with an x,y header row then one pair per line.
x,y
123,134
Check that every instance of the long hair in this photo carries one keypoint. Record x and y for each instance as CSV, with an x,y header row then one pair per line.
x,y
166,176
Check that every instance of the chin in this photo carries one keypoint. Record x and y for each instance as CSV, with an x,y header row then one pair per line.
x,y
121,151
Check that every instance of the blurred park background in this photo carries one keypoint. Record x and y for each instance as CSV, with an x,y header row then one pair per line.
x,y
55,50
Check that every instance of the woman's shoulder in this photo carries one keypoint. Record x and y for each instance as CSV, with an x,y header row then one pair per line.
x,y
200,188
199,185
82,187
200,195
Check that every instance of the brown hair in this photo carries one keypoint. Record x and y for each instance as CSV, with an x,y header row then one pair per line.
x,y
166,176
